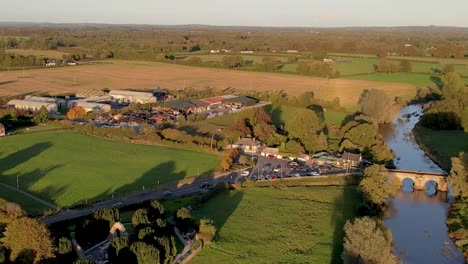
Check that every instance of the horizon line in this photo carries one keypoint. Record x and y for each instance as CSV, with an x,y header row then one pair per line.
x,y
213,25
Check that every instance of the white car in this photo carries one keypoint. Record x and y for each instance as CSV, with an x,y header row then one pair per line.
x,y
245,173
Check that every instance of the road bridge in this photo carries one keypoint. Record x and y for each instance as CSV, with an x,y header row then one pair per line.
x,y
420,178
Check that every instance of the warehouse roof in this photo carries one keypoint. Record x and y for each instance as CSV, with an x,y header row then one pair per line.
x,y
179,104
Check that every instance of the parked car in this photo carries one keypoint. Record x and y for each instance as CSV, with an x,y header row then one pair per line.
x,y
277,168
294,174
245,173
271,156
266,166
314,173
167,194
254,177
206,185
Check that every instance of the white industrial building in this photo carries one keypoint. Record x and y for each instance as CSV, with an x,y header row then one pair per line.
x,y
33,105
61,103
89,106
123,96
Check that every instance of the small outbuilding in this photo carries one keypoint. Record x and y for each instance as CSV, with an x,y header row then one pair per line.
x,y
248,145
270,151
349,159
242,100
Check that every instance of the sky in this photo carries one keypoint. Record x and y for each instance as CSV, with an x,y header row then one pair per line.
x,y
294,13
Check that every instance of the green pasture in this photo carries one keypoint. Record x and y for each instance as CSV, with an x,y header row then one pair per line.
x,y
67,167
31,206
442,144
411,78
287,225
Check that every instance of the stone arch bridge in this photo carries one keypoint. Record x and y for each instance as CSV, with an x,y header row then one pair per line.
x,y
420,178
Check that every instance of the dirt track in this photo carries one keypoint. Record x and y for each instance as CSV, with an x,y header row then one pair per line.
x,y
146,75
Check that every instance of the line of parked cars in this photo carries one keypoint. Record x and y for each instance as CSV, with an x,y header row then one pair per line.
x,y
295,168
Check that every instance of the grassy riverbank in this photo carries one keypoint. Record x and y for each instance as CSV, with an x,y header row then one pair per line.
x,y
441,145
279,225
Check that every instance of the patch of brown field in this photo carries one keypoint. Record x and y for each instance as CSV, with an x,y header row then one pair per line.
x,y
147,75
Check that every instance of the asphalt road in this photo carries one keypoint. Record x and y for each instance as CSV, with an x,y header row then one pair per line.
x,y
139,197
188,189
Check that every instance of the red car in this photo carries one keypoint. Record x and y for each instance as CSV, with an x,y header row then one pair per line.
x,y
271,156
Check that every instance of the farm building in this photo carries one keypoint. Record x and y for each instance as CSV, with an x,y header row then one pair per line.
x,y
242,100
33,105
90,106
179,105
217,100
350,159
2,130
248,145
61,103
199,106
270,151
123,96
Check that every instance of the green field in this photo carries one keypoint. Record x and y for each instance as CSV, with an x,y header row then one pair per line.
x,y
31,206
67,167
411,78
41,53
442,144
289,225
334,118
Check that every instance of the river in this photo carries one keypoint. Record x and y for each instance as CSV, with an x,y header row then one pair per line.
x,y
417,218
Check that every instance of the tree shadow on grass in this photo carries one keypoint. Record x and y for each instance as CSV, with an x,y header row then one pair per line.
x,y
11,161
220,208
347,206
26,181
437,81
158,175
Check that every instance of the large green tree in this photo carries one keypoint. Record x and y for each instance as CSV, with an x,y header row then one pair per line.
x,y
41,116
304,126
27,234
367,241
458,177
376,186
451,84
145,254
376,104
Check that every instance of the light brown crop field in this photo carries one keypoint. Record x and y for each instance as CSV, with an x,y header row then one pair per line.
x,y
147,75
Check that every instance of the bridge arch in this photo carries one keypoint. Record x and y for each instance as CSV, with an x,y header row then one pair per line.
x,y
407,185
431,187
420,178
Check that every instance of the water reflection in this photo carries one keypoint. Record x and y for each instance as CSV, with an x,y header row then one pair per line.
x,y
417,218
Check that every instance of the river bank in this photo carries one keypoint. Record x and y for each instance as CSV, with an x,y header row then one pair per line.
x,y
441,145
417,220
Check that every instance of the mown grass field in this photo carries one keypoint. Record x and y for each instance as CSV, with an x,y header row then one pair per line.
x,y
411,78
147,75
442,144
289,225
31,206
67,167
